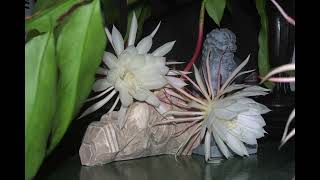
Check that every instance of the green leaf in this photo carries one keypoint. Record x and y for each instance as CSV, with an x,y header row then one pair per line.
x,y
39,20
40,99
215,9
80,48
263,54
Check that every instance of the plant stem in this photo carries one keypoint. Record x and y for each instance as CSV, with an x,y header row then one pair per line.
x,y
200,39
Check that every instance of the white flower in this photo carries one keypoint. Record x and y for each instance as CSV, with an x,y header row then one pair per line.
x,y
133,72
229,116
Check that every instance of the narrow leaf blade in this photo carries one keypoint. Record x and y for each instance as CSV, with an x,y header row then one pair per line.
x,y
40,99
80,48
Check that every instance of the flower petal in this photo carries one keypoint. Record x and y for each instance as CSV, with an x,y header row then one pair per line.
x,y
164,49
125,98
178,82
156,83
207,146
258,118
110,60
223,148
122,116
117,41
144,45
137,62
133,30
248,122
102,71
244,135
140,94
200,82
100,85
236,145
109,36
98,104
101,94
153,100
224,114
234,73
155,30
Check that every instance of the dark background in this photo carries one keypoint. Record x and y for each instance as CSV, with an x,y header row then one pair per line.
x,y
180,22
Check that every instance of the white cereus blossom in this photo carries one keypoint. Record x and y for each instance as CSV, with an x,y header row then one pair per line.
x,y
133,72
229,116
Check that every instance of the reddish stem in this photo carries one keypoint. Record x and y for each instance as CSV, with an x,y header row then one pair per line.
x,y
199,41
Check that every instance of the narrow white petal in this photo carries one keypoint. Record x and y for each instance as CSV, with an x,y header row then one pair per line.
x,y
101,84
291,117
125,97
144,45
262,109
258,132
236,145
256,88
283,68
109,36
233,87
98,104
223,148
155,30
249,93
101,94
207,145
174,94
224,114
153,100
154,84
248,122
114,105
136,62
117,41
259,119
102,71
237,107
245,136
174,62
234,73
140,94
110,60
224,103
194,104
200,82
290,135
133,30
164,49
122,116
178,82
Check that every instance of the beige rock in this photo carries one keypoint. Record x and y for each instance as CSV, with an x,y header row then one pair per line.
x,y
104,142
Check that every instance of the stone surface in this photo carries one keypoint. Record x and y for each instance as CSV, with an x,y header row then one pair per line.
x,y
104,142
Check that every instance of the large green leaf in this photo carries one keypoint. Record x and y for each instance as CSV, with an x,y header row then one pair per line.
x,y
40,18
215,9
40,99
80,48
263,54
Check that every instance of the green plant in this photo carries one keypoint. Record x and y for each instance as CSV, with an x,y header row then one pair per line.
x,y
65,45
